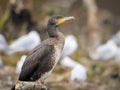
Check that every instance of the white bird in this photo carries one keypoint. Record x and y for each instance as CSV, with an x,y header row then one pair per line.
x,y
70,45
20,63
105,52
67,61
117,56
78,74
116,38
25,43
3,43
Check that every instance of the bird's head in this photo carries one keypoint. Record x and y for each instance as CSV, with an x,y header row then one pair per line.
x,y
57,20
54,22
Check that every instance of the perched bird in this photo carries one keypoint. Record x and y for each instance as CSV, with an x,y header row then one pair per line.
x,y
70,45
41,61
20,63
24,43
3,43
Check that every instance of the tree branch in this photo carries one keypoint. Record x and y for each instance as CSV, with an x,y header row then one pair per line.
x,y
20,85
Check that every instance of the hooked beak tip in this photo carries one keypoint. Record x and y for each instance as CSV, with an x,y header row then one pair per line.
x,y
69,18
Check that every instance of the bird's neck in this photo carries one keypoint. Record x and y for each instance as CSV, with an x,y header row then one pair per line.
x,y
52,31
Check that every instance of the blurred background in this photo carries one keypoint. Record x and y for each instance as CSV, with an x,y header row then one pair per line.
x,y
91,55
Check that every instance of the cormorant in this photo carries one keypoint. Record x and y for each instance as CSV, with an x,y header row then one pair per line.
x,y
41,61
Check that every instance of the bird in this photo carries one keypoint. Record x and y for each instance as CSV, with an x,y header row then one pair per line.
x,y
70,45
25,43
117,56
116,38
20,63
69,62
78,74
105,52
41,61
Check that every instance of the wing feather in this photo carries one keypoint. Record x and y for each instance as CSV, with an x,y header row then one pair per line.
x,y
33,61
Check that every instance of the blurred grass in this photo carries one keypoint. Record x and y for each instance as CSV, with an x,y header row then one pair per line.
x,y
5,7
11,59
4,18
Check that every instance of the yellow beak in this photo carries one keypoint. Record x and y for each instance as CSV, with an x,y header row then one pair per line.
x,y
62,20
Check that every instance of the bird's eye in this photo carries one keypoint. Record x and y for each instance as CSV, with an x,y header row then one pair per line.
x,y
55,21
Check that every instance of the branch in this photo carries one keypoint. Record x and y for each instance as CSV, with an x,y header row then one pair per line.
x,y
30,86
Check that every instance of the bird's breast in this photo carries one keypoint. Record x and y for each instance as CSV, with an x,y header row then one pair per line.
x,y
58,52
55,58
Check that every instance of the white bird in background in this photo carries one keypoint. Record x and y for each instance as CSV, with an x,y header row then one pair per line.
x,y
25,43
67,61
3,43
116,38
70,45
20,63
105,51
117,56
78,74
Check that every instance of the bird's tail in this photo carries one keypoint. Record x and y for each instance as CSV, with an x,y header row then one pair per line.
x,y
13,88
